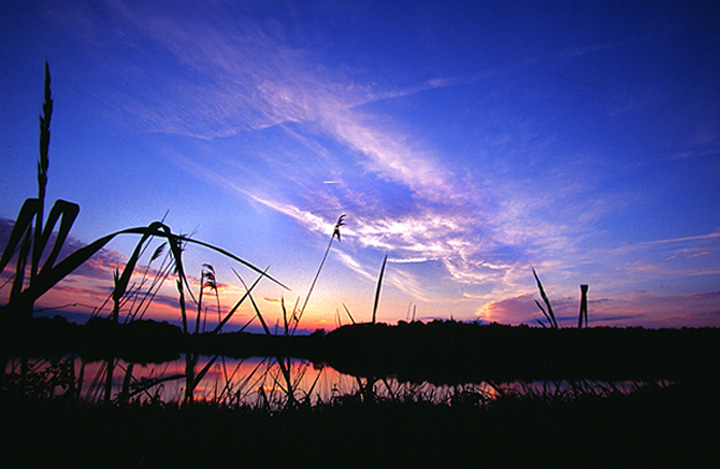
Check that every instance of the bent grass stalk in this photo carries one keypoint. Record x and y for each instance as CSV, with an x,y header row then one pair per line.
x,y
336,232
50,275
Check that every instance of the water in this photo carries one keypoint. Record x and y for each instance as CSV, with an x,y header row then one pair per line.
x,y
270,383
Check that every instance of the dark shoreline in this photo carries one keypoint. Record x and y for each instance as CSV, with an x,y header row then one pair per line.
x,y
439,352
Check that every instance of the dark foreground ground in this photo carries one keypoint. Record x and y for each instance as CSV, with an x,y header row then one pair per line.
x,y
669,427
674,426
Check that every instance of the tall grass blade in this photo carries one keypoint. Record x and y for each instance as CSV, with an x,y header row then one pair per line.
x,y
204,371
125,392
19,240
109,380
121,282
144,301
177,246
42,169
352,319
116,299
549,314
66,212
377,290
23,223
143,386
199,307
314,384
255,307
336,232
284,315
239,302
190,361
181,300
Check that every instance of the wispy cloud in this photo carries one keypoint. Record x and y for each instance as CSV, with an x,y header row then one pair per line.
x,y
224,79
408,260
439,221
255,74
650,244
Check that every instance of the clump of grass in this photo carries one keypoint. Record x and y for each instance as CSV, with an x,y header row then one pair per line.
x,y
30,230
548,311
30,238
284,379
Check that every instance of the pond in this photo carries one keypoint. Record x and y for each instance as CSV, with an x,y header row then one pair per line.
x,y
271,383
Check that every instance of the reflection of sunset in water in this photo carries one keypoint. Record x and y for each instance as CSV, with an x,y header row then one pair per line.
x,y
273,384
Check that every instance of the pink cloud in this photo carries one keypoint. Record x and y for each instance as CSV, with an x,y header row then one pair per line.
x,y
635,309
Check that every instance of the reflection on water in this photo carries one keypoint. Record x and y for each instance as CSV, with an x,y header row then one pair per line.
x,y
269,383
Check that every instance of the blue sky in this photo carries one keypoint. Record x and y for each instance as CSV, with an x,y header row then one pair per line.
x,y
470,141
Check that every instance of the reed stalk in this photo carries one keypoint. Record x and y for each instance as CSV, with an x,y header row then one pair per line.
x,y
377,289
352,319
549,315
336,232
42,170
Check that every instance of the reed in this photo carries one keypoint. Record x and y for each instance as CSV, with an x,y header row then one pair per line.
x,y
30,238
144,293
335,233
347,311
377,289
30,242
547,311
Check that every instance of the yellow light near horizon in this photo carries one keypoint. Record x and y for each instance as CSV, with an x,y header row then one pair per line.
x,y
485,312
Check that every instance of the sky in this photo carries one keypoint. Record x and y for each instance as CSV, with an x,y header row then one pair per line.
x,y
470,142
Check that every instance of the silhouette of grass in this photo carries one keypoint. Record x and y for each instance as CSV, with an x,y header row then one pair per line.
x,y
335,233
547,310
30,237
377,289
671,427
